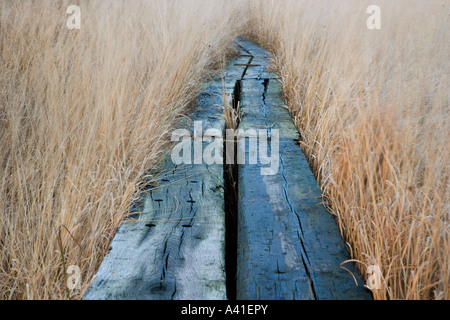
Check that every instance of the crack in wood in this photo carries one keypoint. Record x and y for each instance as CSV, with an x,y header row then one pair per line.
x,y
279,242
272,209
310,281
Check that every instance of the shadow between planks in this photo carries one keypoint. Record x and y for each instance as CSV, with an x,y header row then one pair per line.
x,y
218,232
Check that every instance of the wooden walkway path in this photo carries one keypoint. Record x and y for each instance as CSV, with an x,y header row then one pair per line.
x,y
288,246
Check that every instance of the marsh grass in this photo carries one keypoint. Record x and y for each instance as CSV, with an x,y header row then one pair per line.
x,y
84,115
373,111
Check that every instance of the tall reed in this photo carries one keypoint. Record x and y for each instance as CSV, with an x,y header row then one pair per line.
x,y
373,110
83,115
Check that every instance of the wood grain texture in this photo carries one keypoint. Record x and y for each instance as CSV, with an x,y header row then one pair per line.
x,y
175,248
289,246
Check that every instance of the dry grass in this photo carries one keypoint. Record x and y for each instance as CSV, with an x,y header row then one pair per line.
x,y
373,110
84,115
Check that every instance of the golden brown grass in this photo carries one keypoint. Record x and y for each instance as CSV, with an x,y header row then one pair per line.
x,y
373,111
84,114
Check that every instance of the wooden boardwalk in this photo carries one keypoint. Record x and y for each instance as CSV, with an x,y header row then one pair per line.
x,y
174,249
288,245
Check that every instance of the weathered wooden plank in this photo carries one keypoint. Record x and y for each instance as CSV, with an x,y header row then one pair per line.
x,y
174,249
235,71
260,59
173,246
289,245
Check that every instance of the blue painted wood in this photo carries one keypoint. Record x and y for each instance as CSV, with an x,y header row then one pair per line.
x,y
289,246
173,245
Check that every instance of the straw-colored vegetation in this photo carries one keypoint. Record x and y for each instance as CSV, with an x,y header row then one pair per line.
x,y
84,114
373,111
